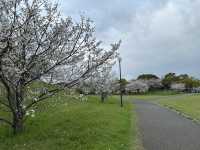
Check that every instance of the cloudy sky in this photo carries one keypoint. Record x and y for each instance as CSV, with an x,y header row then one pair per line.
x,y
159,36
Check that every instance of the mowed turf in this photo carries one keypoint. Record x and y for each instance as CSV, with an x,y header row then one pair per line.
x,y
157,95
187,104
64,123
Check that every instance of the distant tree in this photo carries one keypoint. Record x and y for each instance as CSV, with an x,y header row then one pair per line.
x,y
36,43
100,82
124,82
169,79
185,79
183,76
170,75
154,84
151,80
137,86
104,80
147,77
190,83
116,85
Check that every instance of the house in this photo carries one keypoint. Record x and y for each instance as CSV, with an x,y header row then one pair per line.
x,y
195,90
178,87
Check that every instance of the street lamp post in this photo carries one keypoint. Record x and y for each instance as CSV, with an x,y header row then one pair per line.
x,y
120,80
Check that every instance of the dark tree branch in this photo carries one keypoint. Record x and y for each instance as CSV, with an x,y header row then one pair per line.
x,y
6,121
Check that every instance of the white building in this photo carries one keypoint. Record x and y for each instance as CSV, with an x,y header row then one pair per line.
x,y
178,86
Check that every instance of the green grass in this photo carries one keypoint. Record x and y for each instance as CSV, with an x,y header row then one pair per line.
x,y
187,104
156,95
161,92
153,97
66,124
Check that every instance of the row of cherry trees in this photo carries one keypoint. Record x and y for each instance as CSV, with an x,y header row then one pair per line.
x,y
102,82
36,44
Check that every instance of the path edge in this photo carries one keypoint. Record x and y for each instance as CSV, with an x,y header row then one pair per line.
x,y
180,113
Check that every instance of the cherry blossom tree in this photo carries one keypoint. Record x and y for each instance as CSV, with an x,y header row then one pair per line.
x,y
103,79
100,82
36,44
154,84
137,86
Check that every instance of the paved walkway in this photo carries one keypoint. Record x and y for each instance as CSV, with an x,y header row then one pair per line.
x,y
163,129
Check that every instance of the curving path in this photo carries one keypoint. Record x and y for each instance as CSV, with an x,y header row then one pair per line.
x,y
163,129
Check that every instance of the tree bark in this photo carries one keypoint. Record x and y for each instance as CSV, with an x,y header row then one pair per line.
x,y
18,123
103,97
18,113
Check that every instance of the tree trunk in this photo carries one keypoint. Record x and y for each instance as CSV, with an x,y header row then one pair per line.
x,y
103,97
18,124
18,114
15,97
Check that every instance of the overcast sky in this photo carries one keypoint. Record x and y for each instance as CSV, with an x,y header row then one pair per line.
x,y
158,36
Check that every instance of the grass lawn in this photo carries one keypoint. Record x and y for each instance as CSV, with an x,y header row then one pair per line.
x,y
67,124
149,97
157,95
187,104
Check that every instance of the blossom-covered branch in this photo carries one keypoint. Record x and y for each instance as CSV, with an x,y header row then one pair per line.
x,y
38,45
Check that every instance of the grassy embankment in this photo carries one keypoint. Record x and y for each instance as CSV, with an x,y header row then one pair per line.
x,y
157,95
187,104
64,123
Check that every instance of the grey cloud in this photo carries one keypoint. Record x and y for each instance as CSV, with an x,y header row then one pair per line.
x,y
158,36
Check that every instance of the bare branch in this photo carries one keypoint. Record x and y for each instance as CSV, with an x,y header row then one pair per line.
x,y
6,121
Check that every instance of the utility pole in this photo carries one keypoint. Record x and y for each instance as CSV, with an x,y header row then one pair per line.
x,y
120,80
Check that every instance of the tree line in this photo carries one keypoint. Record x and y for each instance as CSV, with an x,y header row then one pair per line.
x,y
170,81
